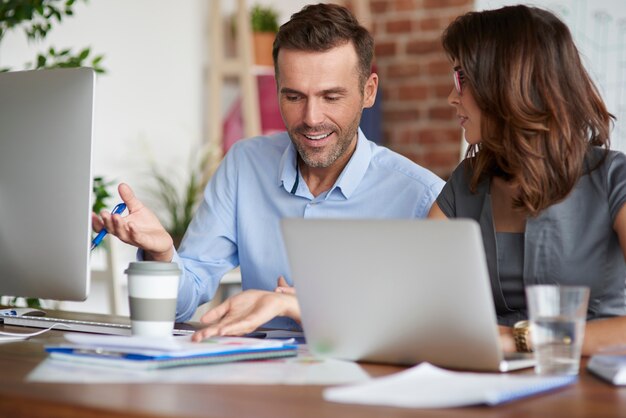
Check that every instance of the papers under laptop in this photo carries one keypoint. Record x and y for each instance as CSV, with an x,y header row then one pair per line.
x,y
396,291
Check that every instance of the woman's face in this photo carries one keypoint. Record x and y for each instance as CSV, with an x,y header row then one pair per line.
x,y
467,110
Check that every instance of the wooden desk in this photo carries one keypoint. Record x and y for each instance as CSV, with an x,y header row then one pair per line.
x,y
589,397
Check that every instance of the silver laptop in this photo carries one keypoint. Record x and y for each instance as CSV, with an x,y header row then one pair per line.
x,y
396,291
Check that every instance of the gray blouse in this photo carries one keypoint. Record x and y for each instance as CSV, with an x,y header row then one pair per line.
x,y
571,242
510,250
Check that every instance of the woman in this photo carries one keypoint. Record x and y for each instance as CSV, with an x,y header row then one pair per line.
x,y
538,177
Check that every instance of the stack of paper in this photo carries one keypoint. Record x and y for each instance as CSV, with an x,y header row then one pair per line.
x,y
611,367
427,386
154,353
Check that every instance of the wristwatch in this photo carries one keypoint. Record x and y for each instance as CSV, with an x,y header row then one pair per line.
x,y
521,331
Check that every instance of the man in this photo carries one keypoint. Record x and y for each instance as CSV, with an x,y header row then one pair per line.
x,y
322,167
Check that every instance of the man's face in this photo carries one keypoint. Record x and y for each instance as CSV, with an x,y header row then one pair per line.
x,y
321,103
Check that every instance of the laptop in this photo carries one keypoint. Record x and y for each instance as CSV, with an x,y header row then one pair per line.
x,y
396,291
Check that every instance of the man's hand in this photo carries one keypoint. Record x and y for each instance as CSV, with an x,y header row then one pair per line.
x,y
283,287
245,312
140,227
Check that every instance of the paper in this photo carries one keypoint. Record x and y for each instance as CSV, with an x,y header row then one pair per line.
x,y
301,370
610,367
176,346
427,386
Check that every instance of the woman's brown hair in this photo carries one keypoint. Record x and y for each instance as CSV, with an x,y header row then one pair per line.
x,y
540,109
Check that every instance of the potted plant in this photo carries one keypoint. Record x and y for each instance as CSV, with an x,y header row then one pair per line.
x,y
178,200
264,23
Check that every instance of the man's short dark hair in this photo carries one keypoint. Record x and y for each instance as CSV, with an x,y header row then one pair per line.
x,y
321,27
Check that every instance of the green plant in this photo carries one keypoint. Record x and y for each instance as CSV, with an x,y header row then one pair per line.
x,y
178,198
263,19
100,193
36,19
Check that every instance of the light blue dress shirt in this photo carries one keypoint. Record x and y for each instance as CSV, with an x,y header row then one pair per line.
x,y
257,184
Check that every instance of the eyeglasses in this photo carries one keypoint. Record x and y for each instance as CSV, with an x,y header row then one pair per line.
x,y
459,80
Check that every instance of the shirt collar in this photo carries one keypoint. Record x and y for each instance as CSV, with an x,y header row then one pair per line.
x,y
348,180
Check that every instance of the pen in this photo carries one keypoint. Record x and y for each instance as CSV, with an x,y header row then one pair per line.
x,y
118,209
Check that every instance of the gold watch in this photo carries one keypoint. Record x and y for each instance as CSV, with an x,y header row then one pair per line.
x,y
521,331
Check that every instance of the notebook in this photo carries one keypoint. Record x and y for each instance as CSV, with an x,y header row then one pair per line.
x,y
396,291
146,353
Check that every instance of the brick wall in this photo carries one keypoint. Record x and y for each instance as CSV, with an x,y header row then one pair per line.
x,y
416,78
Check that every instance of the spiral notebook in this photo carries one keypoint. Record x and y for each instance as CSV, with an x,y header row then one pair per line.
x,y
147,353
427,386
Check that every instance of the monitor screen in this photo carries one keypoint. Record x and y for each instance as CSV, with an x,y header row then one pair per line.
x,y
46,129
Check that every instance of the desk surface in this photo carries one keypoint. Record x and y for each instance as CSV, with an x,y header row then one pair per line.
x,y
18,398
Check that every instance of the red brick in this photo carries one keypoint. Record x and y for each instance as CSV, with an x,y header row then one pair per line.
x,y
431,23
442,91
379,6
441,113
413,92
399,26
400,115
423,47
405,136
439,136
386,49
414,64
405,5
443,4
403,70
446,158
438,67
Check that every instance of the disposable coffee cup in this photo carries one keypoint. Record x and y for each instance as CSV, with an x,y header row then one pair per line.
x,y
152,293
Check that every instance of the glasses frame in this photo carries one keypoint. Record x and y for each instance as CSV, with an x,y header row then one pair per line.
x,y
458,77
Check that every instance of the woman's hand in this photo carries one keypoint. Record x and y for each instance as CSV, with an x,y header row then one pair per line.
x,y
506,339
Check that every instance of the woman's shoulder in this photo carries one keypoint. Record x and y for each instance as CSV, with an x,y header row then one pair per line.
x,y
464,170
598,157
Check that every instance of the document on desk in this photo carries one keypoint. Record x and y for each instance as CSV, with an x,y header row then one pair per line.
x,y
610,367
304,369
154,353
427,386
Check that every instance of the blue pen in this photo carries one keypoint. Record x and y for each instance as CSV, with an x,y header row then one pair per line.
x,y
118,209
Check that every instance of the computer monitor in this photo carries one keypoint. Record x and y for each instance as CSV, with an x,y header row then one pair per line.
x,y
46,129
